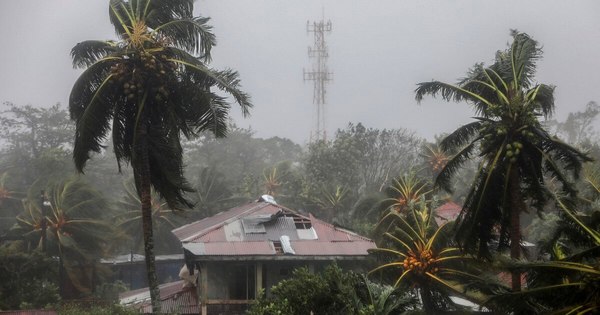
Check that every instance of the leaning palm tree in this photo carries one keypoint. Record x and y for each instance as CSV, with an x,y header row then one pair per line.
x,y
150,87
77,230
515,150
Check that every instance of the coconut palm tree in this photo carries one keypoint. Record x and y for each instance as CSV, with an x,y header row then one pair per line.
x,y
150,87
405,192
419,254
515,150
77,231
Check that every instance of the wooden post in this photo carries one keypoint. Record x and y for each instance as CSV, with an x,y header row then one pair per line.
x,y
204,288
259,278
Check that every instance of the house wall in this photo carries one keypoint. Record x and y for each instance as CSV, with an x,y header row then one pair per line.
x,y
231,280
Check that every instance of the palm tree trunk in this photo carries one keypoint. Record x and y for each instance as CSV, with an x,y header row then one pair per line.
x,y
145,197
516,206
427,300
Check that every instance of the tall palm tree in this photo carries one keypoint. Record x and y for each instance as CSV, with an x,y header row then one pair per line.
x,y
150,87
515,150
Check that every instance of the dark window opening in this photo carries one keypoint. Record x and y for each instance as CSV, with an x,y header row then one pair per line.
x,y
242,282
278,247
302,223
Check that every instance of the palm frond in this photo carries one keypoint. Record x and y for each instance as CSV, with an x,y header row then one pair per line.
x,y
88,52
443,180
449,93
92,126
461,136
524,53
191,34
226,80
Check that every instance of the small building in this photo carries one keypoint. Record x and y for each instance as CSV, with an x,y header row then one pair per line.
x,y
175,297
131,269
232,256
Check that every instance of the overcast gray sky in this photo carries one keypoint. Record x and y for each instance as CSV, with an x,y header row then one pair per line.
x,y
379,50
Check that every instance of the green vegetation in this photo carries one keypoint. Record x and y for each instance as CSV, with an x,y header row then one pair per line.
x,y
149,104
332,292
516,152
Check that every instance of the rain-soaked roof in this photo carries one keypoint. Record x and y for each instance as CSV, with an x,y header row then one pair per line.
x,y
258,229
174,298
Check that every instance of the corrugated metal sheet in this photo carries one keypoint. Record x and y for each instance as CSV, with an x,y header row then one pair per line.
x,y
198,228
312,248
275,230
239,248
195,248
175,299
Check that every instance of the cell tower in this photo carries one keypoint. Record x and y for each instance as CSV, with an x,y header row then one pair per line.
x,y
319,74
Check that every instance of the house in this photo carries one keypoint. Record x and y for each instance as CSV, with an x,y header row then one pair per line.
x,y
235,254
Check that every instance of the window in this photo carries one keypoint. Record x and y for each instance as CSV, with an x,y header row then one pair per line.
x,y
278,248
302,223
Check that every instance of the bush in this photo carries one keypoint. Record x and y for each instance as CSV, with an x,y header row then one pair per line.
x,y
95,309
27,281
332,292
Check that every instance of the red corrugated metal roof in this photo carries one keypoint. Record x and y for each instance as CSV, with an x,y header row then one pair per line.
x,y
350,248
239,248
174,299
224,235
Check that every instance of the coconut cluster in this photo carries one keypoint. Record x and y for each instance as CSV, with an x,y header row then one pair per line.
x,y
421,262
437,164
144,72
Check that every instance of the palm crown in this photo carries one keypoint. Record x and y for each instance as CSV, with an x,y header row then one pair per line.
x,y
516,151
152,80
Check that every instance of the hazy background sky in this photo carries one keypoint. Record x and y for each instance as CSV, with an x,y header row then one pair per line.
x,y
378,51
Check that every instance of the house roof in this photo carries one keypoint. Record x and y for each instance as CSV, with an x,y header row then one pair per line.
x,y
265,230
174,297
129,258
449,211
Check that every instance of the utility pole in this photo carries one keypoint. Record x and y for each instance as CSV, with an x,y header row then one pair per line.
x,y
44,223
319,74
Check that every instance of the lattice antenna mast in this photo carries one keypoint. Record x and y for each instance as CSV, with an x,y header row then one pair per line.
x,y
319,74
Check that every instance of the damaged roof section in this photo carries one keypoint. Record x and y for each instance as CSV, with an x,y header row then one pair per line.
x,y
265,229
